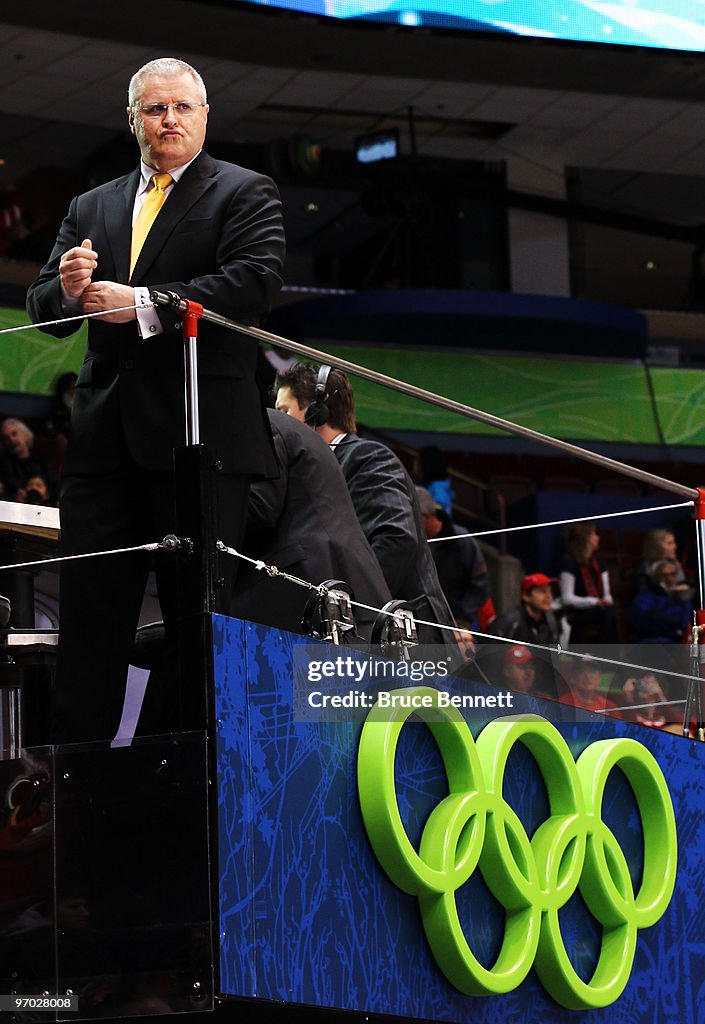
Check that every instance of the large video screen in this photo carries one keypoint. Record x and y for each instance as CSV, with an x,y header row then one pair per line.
x,y
669,24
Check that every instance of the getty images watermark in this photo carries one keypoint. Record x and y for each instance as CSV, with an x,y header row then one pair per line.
x,y
343,684
650,685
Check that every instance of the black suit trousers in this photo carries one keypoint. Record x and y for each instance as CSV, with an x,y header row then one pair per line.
x,y
101,597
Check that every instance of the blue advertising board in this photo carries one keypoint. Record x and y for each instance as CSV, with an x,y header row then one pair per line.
x,y
309,913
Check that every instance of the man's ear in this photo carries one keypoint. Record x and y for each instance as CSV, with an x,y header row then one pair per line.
x,y
131,120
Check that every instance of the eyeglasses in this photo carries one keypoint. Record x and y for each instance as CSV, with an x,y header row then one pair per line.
x,y
182,108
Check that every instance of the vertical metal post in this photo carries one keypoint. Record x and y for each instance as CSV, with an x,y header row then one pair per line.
x,y
194,485
193,432
14,701
700,537
195,518
191,316
694,696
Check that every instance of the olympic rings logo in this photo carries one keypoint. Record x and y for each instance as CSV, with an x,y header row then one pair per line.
x,y
474,827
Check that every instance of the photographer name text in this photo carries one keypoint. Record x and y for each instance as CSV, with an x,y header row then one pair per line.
x,y
391,699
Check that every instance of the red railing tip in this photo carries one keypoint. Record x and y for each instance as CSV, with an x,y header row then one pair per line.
x,y
700,504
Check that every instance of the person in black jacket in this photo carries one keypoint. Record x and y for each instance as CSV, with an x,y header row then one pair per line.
x,y
304,522
460,564
532,621
662,612
382,492
217,239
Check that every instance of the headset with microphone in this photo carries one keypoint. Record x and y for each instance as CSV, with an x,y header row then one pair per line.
x,y
317,413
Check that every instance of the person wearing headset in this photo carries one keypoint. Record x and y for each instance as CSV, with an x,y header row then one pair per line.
x,y
382,492
303,521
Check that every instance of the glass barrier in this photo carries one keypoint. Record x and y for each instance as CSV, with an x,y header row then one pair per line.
x,y
105,880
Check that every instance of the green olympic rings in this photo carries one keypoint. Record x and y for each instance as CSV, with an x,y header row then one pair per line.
x,y
474,827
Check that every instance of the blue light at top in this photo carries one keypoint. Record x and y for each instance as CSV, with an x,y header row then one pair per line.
x,y
667,24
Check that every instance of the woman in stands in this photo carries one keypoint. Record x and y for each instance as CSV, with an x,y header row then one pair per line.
x,y
659,546
585,588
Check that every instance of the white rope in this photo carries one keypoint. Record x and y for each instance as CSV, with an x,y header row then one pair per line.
x,y
274,572
639,707
64,320
271,570
420,622
583,656
75,558
562,522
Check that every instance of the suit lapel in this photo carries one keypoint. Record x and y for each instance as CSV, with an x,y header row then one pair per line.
x,y
117,215
196,180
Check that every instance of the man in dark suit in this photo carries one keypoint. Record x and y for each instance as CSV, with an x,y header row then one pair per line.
x,y
461,567
303,521
382,493
216,238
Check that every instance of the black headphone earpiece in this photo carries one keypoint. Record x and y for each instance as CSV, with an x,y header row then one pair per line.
x,y
317,413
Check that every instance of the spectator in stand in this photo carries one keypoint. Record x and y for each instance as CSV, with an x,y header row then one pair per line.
x,y
659,546
584,680
18,465
532,621
585,588
35,492
520,669
643,696
662,612
461,566
432,473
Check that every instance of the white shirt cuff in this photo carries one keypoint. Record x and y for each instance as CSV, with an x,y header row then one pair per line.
x,y
68,304
148,322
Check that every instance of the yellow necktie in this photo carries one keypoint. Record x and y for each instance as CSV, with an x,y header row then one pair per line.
x,y
148,213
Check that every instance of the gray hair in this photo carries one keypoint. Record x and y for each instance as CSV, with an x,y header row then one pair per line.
x,y
427,502
656,567
163,66
11,422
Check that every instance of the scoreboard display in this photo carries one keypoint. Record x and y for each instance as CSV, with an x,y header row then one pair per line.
x,y
666,24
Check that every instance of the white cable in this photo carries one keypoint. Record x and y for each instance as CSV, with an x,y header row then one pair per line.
x,y
639,707
540,647
65,320
271,570
75,558
582,655
562,522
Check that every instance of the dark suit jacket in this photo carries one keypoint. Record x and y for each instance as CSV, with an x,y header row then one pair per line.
x,y
304,522
218,240
462,572
388,511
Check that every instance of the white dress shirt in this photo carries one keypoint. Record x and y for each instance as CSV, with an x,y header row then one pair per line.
x,y
148,322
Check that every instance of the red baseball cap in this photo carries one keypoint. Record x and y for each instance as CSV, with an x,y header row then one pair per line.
x,y
536,579
517,655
